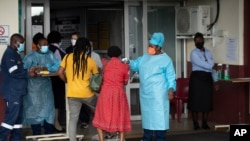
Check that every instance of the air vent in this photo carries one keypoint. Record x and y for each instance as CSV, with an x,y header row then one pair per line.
x,y
192,19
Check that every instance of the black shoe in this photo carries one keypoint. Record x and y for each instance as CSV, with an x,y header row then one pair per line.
x,y
205,126
196,126
84,125
59,131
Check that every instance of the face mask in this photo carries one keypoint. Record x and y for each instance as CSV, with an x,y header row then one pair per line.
x,y
199,45
44,49
20,48
73,42
87,52
60,44
151,51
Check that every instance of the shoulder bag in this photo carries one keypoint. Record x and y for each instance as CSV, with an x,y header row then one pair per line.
x,y
96,80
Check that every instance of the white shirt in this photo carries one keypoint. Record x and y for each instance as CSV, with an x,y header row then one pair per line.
x,y
97,59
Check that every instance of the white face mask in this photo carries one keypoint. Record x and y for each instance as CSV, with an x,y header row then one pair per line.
x,y
73,42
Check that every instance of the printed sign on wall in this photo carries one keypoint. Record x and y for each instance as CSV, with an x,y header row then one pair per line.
x,y
66,26
4,34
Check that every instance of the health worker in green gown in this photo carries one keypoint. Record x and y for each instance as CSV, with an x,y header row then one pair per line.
x,y
38,104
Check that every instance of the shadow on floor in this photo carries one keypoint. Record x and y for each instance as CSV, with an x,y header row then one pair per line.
x,y
185,127
199,136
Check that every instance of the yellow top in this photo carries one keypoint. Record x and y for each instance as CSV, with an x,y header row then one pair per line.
x,y
78,87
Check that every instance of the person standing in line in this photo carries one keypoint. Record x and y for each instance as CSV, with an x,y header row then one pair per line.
x,y
86,112
34,40
76,69
74,37
15,79
201,82
112,110
96,57
54,40
157,85
38,104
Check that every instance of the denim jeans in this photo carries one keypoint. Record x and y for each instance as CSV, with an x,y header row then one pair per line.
x,y
159,135
37,128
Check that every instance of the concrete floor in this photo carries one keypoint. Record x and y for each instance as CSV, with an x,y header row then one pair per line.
x,y
185,126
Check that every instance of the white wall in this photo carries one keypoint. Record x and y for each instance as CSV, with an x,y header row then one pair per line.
x,y
230,21
9,16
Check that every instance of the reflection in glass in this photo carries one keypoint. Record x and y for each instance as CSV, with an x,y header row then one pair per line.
x,y
161,19
37,13
134,78
135,32
135,101
135,37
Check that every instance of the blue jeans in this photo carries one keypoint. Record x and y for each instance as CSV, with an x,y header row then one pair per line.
x,y
159,135
37,128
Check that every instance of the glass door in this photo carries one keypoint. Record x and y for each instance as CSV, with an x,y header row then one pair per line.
x,y
133,30
161,18
141,20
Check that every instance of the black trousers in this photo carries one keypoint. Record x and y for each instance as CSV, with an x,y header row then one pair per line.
x,y
85,114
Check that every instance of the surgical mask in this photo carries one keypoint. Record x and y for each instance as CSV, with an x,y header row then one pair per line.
x,y
44,49
73,42
20,48
151,51
199,45
87,51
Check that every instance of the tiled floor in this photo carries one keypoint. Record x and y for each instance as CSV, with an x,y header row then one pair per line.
x,y
185,126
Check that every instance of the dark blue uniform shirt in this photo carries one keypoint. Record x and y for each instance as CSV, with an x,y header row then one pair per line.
x,y
14,76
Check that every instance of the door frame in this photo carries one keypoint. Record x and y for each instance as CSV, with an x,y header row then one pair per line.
x,y
28,20
144,5
126,35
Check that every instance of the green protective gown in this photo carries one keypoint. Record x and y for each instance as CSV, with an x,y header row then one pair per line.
x,y
38,104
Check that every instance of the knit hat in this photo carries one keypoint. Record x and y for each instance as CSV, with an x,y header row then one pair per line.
x,y
157,39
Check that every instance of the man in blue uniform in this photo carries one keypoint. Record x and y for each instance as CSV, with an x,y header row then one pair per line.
x,y
157,86
14,86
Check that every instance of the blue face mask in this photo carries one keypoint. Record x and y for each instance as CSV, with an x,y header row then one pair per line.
x,y
20,48
44,49
87,51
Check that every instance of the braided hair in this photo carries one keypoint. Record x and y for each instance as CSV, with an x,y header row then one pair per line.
x,y
81,53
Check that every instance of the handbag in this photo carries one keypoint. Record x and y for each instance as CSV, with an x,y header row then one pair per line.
x,y
96,80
